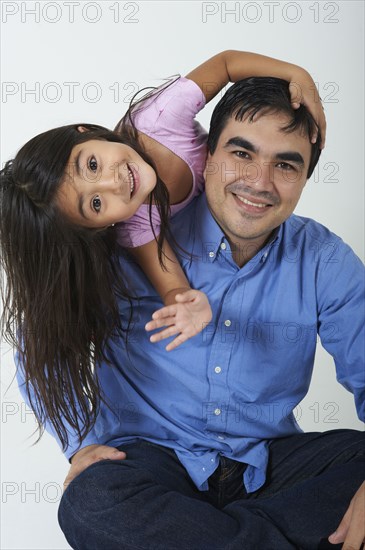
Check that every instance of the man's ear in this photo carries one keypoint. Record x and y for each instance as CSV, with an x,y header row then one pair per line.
x,y
82,129
210,167
206,165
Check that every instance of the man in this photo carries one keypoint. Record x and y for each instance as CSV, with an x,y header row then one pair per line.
x,y
201,447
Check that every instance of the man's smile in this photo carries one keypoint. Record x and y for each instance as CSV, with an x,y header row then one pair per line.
x,y
250,202
257,204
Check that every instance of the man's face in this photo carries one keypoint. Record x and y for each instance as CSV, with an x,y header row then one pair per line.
x,y
255,177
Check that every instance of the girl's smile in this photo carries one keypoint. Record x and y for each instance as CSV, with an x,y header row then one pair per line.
x,y
105,183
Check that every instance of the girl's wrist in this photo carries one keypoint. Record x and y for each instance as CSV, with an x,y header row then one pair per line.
x,y
169,297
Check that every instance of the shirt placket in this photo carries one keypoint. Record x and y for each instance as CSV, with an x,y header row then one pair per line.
x,y
219,409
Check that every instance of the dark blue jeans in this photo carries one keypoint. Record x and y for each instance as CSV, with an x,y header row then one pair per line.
x,y
148,501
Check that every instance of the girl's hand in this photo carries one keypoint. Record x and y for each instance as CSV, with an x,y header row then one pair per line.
x,y
187,317
304,91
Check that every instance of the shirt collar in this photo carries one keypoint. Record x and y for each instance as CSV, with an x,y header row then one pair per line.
x,y
275,240
213,240
207,230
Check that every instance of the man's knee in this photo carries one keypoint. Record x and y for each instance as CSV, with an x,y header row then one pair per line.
x,y
95,498
103,484
350,444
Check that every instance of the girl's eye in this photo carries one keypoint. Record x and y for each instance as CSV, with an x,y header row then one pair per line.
x,y
96,204
92,164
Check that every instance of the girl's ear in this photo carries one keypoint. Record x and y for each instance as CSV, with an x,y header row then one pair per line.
x,y
82,129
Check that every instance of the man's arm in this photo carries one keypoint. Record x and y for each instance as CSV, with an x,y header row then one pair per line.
x,y
80,455
340,291
341,315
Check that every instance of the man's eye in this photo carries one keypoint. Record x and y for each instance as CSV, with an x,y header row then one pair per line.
x,y
96,204
92,164
242,154
285,166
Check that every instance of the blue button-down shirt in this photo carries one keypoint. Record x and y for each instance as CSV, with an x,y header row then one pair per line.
x,y
233,387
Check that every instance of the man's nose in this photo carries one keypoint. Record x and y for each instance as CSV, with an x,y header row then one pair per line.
x,y
259,176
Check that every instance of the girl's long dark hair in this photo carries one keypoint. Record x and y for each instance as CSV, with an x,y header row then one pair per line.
x,y
126,127
62,282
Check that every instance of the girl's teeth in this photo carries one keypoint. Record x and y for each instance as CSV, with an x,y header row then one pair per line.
x,y
131,179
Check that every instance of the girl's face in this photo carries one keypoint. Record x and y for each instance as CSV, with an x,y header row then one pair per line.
x,y
105,182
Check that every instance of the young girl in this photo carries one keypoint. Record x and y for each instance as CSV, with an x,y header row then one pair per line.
x,y
63,199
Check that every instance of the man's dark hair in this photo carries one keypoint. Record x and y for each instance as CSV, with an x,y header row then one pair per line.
x,y
263,95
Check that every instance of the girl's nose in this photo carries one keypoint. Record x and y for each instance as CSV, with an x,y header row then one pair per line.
x,y
116,179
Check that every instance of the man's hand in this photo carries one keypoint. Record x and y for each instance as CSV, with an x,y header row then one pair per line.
x,y
303,90
351,530
87,456
187,317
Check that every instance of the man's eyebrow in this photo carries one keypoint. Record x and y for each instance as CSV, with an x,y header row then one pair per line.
x,y
241,142
292,156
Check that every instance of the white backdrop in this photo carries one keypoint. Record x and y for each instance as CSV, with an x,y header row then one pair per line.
x,y
66,62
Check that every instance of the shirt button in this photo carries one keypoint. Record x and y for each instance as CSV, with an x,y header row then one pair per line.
x,y
212,459
217,370
221,437
211,254
227,323
217,412
223,246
